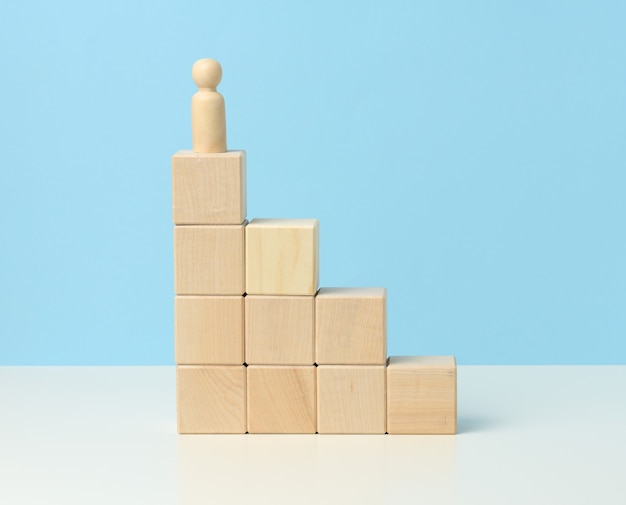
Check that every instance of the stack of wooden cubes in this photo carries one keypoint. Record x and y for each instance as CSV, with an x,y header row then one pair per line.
x,y
260,348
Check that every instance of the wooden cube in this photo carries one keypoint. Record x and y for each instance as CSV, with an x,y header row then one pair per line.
x,y
209,188
279,330
208,260
282,257
208,330
281,399
421,395
351,326
211,399
351,399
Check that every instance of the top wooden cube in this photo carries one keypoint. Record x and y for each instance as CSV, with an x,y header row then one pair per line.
x,y
209,188
282,257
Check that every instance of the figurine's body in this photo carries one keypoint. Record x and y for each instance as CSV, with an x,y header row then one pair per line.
x,y
208,113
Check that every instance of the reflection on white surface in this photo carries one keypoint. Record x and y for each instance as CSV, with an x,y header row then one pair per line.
x,y
316,469
107,435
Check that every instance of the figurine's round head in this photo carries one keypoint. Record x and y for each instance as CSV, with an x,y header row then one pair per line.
x,y
206,73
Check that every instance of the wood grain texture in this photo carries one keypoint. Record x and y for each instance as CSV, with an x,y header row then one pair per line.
x,y
351,399
209,330
211,399
209,188
281,399
282,257
208,260
279,330
421,395
351,326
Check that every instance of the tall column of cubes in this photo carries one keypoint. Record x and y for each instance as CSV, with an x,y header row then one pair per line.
x,y
209,212
282,276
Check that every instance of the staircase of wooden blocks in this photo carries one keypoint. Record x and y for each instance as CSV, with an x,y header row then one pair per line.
x,y
259,348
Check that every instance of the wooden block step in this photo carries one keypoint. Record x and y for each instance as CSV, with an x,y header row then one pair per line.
x,y
282,257
209,188
421,395
351,326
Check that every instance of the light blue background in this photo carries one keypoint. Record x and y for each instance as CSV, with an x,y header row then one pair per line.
x,y
468,156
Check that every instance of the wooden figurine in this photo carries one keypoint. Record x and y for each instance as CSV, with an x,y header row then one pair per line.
x,y
208,112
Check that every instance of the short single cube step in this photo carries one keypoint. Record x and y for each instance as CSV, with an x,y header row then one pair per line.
x,y
421,395
282,257
351,326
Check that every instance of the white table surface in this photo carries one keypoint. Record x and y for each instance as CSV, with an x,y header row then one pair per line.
x,y
528,435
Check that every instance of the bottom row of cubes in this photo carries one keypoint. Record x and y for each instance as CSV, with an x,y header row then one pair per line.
x,y
411,395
